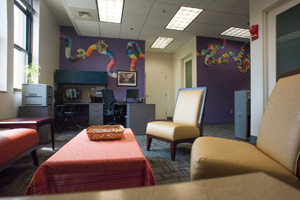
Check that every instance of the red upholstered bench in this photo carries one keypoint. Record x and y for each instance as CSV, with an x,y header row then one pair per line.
x,y
16,143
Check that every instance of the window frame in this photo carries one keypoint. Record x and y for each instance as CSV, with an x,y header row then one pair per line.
x,y
28,37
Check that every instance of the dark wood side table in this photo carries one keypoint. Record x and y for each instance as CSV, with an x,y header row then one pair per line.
x,y
29,122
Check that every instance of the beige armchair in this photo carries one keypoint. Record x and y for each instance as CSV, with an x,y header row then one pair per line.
x,y
187,122
278,142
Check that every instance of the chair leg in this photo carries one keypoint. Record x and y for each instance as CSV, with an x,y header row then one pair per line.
x,y
35,158
173,147
149,140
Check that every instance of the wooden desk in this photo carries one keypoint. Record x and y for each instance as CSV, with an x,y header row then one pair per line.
x,y
29,122
84,165
137,115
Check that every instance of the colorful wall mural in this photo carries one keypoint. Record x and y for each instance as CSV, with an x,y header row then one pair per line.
x,y
242,66
221,79
223,66
80,53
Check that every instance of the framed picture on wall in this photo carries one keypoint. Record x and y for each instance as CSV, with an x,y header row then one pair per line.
x,y
127,78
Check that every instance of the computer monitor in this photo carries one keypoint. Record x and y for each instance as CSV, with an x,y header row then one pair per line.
x,y
132,94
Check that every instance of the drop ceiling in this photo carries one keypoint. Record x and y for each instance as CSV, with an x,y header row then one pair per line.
x,y
147,19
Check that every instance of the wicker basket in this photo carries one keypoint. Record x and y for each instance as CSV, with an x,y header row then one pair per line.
x,y
105,132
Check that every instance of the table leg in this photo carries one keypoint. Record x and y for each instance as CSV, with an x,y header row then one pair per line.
x,y
52,135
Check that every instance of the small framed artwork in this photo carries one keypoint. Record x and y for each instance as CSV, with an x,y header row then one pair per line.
x,y
127,78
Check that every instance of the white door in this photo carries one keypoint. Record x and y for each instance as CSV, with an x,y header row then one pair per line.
x,y
272,40
156,93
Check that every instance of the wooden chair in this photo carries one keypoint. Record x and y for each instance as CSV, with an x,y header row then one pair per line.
x,y
187,124
278,142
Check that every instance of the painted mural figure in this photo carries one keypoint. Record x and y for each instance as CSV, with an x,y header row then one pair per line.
x,y
132,56
243,66
101,46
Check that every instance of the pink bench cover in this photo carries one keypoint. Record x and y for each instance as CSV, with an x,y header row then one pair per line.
x,y
84,165
14,142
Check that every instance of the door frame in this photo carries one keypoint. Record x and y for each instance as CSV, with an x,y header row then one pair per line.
x,y
269,43
184,60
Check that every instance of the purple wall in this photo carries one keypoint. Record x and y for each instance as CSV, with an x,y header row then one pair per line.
x,y
99,62
221,80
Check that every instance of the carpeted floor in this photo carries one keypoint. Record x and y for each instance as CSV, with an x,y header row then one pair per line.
x,y
15,179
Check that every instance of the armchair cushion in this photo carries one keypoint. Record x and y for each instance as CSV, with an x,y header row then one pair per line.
x,y
279,132
216,157
172,130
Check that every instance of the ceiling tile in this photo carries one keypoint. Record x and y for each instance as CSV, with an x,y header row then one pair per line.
x,y
179,42
148,38
170,33
76,15
170,48
186,35
88,28
127,33
149,21
198,3
201,28
164,10
90,4
157,22
243,22
133,19
242,8
175,2
224,6
110,30
151,30
138,6
216,17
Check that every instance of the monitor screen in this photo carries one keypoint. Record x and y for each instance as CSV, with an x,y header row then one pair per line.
x,y
132,93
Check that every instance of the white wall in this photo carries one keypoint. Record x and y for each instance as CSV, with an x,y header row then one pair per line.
x,y
158,62
48,45
173,65
48,56
259,69
189,49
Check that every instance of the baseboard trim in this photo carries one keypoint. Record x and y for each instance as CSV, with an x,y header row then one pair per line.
x,y
253,139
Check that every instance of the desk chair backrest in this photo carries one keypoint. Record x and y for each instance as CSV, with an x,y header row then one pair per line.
x,y
279,131
109,102
189,106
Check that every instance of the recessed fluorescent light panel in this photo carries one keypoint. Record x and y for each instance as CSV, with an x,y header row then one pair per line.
x,y
161,42
110,10
183,17
237,32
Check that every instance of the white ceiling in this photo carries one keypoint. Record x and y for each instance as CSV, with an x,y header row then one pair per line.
x,y
147,19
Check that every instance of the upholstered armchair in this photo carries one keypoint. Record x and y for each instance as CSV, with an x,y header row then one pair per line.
x,y
187,124
278,142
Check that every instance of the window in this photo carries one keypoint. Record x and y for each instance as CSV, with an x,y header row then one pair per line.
x,y
22,41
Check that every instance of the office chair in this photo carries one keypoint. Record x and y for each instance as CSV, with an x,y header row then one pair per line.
x,y
109,106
